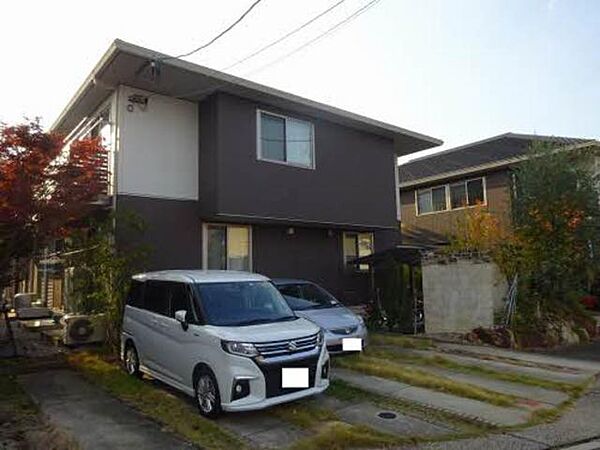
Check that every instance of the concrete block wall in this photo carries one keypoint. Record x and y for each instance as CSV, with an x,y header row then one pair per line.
x,y
461,294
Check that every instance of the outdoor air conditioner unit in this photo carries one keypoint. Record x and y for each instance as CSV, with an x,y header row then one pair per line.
x,y
83,329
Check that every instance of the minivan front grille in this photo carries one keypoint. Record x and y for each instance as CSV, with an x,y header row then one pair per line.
x,y
287,346
272,374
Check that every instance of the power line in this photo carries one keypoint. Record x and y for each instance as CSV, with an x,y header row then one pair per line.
x,y
285,36
353,16
213,40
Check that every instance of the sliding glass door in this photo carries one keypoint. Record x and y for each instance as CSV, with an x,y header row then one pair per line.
x,y
227,247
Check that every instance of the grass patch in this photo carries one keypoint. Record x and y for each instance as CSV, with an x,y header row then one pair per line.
x,y
400,341
417,377
158,404
304,414
340,435
464,427
445,363
16,405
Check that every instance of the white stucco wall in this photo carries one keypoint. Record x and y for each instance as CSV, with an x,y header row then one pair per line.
x,y
157,147
460,296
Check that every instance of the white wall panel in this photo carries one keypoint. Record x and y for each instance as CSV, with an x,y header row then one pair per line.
x,y
158,146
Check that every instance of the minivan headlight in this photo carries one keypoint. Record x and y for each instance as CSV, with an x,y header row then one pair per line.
x,y
240,348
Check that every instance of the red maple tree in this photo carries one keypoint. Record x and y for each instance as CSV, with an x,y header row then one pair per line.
x,y
47,186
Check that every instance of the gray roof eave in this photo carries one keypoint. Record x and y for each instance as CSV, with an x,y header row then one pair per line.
x,y
103,78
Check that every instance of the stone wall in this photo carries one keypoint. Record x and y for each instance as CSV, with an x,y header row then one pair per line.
x,y
461,292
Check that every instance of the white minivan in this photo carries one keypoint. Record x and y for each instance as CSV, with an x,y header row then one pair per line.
x,y
227,338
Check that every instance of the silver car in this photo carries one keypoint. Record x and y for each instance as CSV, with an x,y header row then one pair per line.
x,y
312,302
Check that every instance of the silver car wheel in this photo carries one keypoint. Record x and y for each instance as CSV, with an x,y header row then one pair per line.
x,y
131,361
206,394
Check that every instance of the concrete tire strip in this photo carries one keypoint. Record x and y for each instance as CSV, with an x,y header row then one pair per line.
x,y
566,375
470,409
92,417
532,397
577,429
366,413
261,430
589,367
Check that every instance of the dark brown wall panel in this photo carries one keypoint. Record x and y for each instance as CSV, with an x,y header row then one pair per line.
x,y
173,232
353,183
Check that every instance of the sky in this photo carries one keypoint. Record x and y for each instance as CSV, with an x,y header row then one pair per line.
x,y
457,70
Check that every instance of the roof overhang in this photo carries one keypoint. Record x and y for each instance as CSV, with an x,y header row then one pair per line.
x,y
145,69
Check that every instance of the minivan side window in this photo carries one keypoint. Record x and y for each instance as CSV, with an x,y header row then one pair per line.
x,y
135,297
156,297
180,299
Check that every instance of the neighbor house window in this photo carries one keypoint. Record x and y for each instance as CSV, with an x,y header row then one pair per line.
x,y
357,245
432,200
461,194
285,140
227,247
467,193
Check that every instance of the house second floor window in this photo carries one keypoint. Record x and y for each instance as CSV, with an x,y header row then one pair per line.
x,y
467,193
227,247
357,245
432,200
461,194
285,140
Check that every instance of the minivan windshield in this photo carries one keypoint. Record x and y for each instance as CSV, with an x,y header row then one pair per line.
x,y
301,296
242,303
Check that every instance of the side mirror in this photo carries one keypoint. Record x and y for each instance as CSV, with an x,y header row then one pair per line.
x,y
181,317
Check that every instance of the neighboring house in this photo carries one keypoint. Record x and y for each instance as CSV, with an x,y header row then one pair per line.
x,y
230,174
438,191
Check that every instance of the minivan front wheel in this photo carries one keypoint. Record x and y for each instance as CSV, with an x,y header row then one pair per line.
x,y
132,361
207,394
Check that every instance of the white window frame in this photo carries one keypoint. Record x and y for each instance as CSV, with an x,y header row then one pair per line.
x,y
357,267
448,196
259,154
430,189
205,226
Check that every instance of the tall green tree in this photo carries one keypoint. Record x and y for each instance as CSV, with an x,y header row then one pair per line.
x,y
556,215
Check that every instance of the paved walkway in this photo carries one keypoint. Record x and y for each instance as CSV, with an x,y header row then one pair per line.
x,y
93,418
29,343
588,352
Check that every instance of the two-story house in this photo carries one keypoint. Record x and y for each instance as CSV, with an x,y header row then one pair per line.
x,y
437,191
230,174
